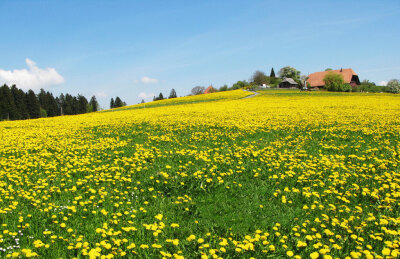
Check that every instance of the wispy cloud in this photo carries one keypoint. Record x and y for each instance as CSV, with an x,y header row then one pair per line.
x,y
147,80
32,78
383,83
101,94
145,96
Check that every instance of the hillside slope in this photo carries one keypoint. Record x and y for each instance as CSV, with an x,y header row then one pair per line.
x,y
275,175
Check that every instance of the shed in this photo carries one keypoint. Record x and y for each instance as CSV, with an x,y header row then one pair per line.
x,y
288,83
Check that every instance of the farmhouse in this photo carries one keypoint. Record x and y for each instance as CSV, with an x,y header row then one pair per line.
x,y
288,83
210,89
317,79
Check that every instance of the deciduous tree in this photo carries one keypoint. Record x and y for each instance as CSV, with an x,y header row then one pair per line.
x,y
289,72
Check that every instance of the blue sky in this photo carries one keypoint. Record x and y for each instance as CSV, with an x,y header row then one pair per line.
x,y
132,48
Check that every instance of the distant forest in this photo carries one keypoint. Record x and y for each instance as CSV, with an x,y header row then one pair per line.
x,y
15,104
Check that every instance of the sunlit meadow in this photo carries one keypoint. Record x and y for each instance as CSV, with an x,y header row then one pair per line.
x,y
283,174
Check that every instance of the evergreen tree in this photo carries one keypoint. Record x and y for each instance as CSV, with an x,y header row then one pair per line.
x,y
118,102
172,94
48,103
142,101
53,105
19,101
272,74
68,108
33,105
8,110
42,96
74,105
160,96
112,104
94,104
81,104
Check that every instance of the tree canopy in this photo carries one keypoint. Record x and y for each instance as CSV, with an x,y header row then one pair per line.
x,y
272,74
259,78
198,90
334,82
172,94
15,104
289,72
393,86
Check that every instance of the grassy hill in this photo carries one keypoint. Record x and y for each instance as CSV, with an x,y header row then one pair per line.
x,y
282,174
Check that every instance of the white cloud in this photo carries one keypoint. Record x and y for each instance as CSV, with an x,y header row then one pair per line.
x,y
148,80
383,83
33,78
100,94
145,96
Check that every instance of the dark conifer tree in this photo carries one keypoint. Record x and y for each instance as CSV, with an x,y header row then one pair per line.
x,y
272,73
112,104
68,105
52,108
43,99
33,105
118,102
94,104
19,101
160,96
8,110
82,104
74,105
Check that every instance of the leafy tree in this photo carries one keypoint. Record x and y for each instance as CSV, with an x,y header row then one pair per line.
x,y
94,104
259,78
272,74
393,86
172,94
328,69
334,82
198,90
43,113
289,72
112,104
239,84
223,88
367,86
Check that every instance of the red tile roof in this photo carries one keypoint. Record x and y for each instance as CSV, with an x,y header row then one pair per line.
x,y
209,89
317,78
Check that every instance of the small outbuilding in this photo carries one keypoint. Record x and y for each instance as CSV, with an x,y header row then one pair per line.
x,y
288,83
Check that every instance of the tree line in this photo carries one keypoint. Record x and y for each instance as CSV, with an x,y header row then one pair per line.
x,y
15,104
257,79
116,103
333,82
172,94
